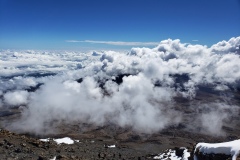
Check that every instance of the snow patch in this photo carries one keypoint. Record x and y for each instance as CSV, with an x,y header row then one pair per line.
x,y
45,140
112,146
229,148
54,158
65,140
171,155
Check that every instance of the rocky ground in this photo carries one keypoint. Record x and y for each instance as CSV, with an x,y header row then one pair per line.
x,y
94,144
15,146
23,147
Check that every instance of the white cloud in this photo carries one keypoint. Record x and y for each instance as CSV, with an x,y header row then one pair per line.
x,y
215,113
144,99
116,43
16,98
231,46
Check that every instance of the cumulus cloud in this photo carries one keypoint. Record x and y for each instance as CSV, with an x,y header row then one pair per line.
x,y
136,89
16,98
231,46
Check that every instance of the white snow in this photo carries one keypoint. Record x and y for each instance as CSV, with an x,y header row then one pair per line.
x,y
112,146
54,158
45,140
171,154
229,148
65,140
186,154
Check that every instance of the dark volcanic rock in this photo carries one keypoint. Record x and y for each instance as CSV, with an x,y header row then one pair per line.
x,y
15,146
201,156
179,151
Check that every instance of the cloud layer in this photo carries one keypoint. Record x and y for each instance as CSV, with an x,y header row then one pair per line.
x,y
116,43
136,89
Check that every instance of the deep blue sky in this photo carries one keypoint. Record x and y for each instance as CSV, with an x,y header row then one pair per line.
x,y
47,24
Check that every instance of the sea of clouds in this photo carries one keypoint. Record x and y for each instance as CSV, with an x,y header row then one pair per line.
x,y
135,89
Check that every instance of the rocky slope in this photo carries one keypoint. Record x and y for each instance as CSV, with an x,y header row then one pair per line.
x,y
22,147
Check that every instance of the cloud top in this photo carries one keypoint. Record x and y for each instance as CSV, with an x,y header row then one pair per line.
x,y
136,89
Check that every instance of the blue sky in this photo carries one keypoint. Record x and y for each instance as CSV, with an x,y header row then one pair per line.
x,y
50,24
